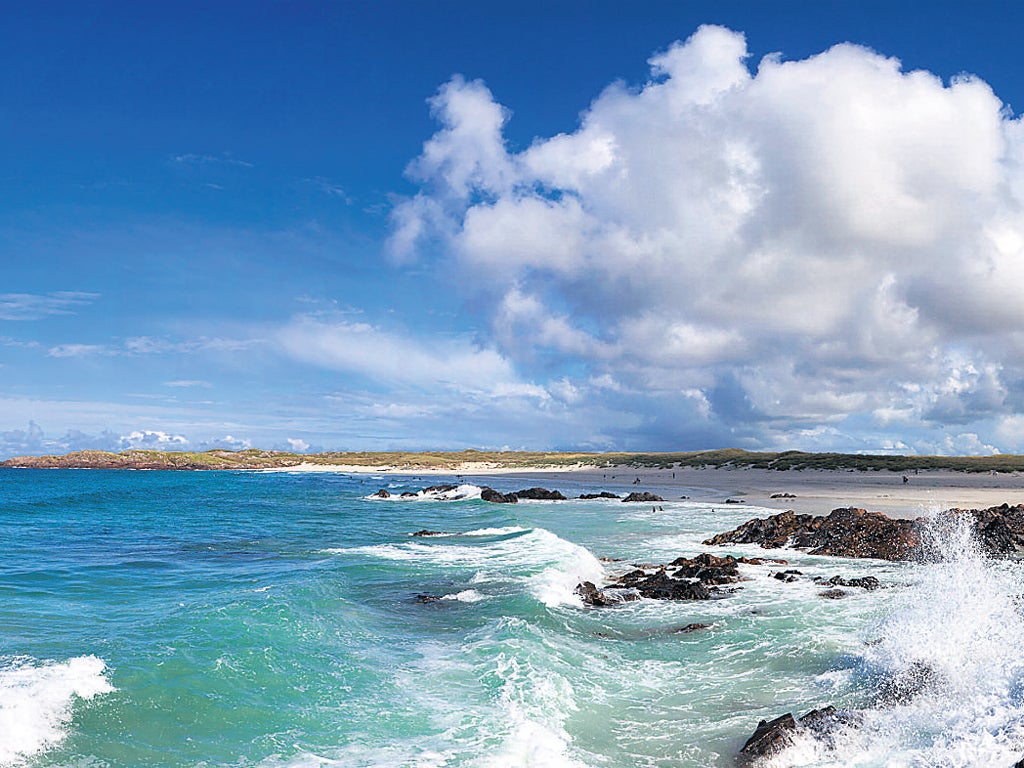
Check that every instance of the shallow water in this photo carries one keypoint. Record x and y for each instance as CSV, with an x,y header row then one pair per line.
x,y
258,619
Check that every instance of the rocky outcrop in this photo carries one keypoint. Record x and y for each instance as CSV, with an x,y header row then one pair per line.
x,y
846,532
707,569
591,595
427,532
661,586
540,494
382,494
493,496
601,495
643,496
438,489
773,736
852,532
696,578
864,582
999,529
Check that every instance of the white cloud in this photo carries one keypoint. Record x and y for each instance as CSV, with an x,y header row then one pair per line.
x,y
79,350
802,243
34,306
153,439
431,363
297,445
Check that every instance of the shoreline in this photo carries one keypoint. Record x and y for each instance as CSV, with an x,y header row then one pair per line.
x,y
813,491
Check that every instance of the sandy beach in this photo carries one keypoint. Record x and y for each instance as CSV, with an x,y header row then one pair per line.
x,y
810,491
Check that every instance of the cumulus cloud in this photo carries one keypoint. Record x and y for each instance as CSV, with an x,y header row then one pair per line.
x,y
153,439
780,246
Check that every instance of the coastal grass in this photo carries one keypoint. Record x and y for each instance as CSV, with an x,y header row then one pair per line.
x,y
454,460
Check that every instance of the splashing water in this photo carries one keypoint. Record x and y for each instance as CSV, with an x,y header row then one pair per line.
x,y
944,669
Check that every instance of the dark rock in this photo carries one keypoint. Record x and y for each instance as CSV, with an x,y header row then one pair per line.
x,y
834,594
542,494
782,496
426,532
999,529
601,495
846,532
761,561
770,737
909,683
1019,763
824,722
707,569
493,496
788,576
408,495
695,627
591,595
851,532
424,598
643,496
864,582
735,501
382,494
439,489
661,586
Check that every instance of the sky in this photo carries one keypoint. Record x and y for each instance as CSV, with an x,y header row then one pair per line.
x,y
405,225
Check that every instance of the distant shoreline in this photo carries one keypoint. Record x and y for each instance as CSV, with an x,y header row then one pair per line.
x,y
805,483
492,461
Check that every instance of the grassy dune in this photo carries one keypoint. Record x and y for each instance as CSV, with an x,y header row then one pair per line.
x,y
730,457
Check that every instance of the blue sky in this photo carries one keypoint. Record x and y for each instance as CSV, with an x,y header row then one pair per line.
x,y
595,225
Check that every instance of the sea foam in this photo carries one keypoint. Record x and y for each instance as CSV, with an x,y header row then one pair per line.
x,y
548,566
37,701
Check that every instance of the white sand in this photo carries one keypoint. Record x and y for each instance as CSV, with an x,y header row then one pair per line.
x,y
815,491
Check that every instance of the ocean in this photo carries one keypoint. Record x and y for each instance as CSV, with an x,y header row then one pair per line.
x,y
273,620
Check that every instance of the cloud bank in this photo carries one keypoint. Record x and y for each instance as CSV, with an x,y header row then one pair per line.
x,y
821,253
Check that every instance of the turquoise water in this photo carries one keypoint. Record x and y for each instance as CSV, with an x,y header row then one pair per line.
x,y
270,619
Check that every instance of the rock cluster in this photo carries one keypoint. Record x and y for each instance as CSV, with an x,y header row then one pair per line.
x,y
685,578
541,494
846,532
852,532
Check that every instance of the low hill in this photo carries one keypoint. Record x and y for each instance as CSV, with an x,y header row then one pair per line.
x,y
526,460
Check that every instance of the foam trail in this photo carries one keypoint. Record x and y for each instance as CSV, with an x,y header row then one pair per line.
x,y
36,701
